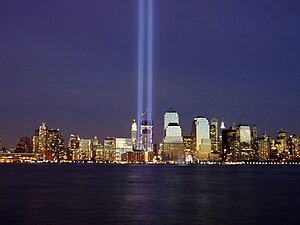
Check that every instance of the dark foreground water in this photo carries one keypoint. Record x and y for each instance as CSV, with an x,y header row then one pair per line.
x,y
145,194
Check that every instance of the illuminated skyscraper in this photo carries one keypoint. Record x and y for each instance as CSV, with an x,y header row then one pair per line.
x,y
73,145
123,146
201,142
245,152
43,141
282,144
146,133
264,148
86,147
134,134
214,135
173,147
171,116
110,149
55,145
214,121
35,141
245,134
73,142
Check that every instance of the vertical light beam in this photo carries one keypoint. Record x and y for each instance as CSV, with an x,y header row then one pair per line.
x,y
149,64
140,69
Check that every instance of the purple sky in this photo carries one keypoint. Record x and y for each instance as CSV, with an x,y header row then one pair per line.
x,y
73,64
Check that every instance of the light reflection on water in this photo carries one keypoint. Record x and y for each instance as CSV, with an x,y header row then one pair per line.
x,y
148,194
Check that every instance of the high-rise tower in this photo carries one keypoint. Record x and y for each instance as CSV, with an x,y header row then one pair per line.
x,y
43,141
134,134
173,147
201,138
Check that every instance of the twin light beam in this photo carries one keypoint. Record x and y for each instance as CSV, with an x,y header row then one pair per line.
x,y
145,52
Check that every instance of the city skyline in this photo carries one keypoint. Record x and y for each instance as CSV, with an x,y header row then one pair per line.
x,y
209,142
73,65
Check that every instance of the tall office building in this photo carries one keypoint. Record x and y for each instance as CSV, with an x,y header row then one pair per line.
x,y
171,116
86,149
43,141
254,134
110,149
187,142
73,142
173,147
73,145
294,146
55,145
230,144
264,148
201,142
134,134
214,121
24,145
245,135
146,134
98,150
123,146
282,144
35,141
245,152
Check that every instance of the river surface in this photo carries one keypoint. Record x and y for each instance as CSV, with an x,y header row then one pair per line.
x,y
85,194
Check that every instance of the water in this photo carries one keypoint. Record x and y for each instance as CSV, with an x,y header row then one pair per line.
x,y
148,194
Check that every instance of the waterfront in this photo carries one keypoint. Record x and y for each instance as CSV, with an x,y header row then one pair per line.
x,y
148,194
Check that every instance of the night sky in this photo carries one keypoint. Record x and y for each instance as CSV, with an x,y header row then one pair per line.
x,y
73,64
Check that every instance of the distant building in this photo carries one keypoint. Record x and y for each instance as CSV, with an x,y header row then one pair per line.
x,y
187,142
98,150
24,145
170,116
86,147
35,141
134,134
43,141
123,146
201,143
146,136
110,149
55,145
73,145
214,135
173,147
264,148
245,152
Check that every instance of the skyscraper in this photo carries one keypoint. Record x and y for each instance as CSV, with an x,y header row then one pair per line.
x,y
171,116
214,121
134,134
214,135
146,136
173,147
35,141
24,145
43,141
201,142
110,149
244,137
73,145
55,144
123,146
86,147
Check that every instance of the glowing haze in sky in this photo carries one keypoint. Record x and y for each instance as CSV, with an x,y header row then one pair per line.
x,y
73,64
